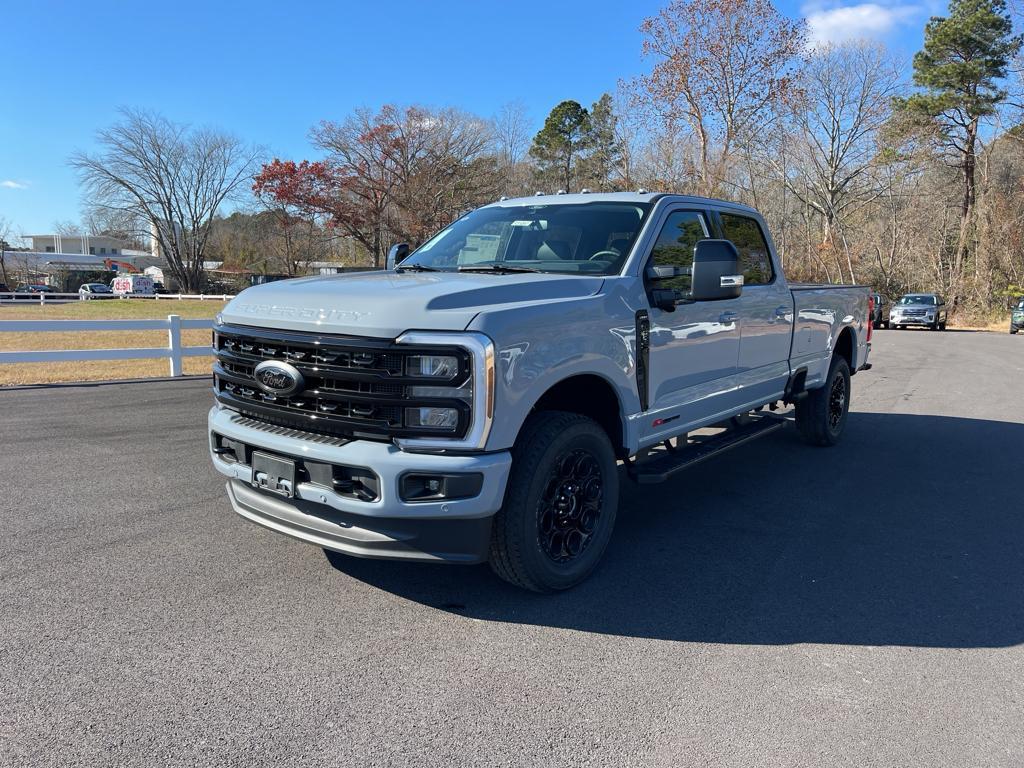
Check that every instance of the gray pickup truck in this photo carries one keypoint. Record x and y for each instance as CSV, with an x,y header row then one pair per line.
x,y
473,401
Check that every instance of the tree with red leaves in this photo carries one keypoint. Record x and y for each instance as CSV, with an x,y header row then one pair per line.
x,y
397,174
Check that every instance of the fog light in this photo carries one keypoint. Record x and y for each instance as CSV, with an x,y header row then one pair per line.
x,y
432,418
424,487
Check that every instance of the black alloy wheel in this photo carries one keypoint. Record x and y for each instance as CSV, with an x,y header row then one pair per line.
x,y
570,508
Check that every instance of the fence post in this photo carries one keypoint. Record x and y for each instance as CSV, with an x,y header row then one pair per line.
x,y
42,297
174,343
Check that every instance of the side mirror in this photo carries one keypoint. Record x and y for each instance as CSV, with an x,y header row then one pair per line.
x,y
397,254
716,271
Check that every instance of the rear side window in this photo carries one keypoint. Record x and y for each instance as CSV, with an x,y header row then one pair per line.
x,y
675,244
746,235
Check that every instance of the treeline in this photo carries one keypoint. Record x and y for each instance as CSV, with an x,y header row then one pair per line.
x,y
866,171
863,176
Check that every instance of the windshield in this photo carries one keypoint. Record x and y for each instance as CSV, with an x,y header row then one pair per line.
x,y
592,238
917,298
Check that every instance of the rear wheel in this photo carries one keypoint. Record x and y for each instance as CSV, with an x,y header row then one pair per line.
x,y
1013,329
821,416
560,503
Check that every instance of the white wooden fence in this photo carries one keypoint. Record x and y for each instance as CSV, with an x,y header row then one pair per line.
x,y
43,296
174,351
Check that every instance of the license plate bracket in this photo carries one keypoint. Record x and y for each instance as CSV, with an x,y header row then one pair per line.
x,y
273,473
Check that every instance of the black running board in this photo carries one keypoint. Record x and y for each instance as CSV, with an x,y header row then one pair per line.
x,y
661,464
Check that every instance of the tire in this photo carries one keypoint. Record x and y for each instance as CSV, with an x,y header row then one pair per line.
x,y
816,418
935,326
554,452
942,325
1013,330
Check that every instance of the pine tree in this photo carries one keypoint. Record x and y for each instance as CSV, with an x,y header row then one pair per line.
x,y
558,146
965,57
604,148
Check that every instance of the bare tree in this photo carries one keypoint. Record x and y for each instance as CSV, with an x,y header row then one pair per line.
x,y
169,177
846,97
723,67
5,235
512,139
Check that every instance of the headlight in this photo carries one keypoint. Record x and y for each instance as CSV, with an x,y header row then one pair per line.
x,y
466,411
440,366
432,418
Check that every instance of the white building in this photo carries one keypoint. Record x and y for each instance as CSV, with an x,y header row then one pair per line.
x,y
94,245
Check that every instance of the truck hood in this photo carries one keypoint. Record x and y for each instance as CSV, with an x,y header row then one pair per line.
x,y
386,304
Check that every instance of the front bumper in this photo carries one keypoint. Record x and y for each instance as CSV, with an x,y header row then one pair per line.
x,y
451,530
926,321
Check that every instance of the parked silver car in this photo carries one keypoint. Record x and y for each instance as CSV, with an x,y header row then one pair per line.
x,y
923,309
95,291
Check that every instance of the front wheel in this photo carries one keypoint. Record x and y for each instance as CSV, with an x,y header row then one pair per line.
x,y
560,503
821,416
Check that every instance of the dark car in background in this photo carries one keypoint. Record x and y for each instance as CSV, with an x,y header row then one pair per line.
x,y
879,316
34,288
1017,315
927,310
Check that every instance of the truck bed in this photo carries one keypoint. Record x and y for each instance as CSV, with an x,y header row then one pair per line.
x,y
821,313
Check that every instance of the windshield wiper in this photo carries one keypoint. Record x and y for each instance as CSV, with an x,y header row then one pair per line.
x,y
417,268
502,269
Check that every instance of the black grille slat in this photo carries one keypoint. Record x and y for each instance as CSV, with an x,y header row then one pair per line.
x,y
353,386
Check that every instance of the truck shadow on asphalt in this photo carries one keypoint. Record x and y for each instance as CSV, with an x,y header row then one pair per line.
x,y
908,533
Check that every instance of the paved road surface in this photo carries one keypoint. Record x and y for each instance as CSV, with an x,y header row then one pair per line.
x,y
783,605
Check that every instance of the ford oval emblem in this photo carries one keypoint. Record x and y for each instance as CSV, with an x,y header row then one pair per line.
x,y
278,378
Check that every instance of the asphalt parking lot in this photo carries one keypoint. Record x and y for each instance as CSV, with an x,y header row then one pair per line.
x,y
781,605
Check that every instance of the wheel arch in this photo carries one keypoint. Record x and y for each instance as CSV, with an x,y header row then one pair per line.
x,y
591,395
846,347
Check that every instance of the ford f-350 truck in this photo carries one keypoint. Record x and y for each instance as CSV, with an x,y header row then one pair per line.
x,y
472,402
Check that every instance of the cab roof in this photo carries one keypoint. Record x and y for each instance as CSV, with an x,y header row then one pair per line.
x,y
580,198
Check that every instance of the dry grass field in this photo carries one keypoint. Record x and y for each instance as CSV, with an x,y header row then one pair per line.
x,y
96,370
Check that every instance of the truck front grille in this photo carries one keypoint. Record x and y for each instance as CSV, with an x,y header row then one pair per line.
x,y
352,387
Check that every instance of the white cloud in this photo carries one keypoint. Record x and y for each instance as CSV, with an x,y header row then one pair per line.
x,y
12,184
854,22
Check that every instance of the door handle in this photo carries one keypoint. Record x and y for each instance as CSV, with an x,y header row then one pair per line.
x,y
782,312
728,317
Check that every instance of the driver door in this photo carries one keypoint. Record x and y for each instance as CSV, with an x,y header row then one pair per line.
x,y
694,350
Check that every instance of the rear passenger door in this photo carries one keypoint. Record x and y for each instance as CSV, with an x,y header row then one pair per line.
x,y
766,310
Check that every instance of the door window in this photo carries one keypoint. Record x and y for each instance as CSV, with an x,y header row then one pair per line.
x,y
675,244
746,235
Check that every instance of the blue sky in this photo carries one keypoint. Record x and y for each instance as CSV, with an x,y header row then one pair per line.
x,y
268,71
